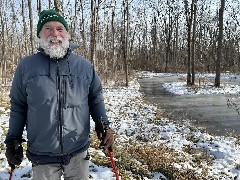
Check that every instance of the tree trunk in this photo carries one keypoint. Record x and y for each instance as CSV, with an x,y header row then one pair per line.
x,y
18,44
82,28
49,4
58,6
2,57
190,17
154,41
113,37
39,6
25,47
168,31
176,45
189,29
31,25
193,41
93,31
219,48
74,20
125,39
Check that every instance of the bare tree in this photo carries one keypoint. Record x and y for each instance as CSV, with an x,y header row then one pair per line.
x,y
113,36
125,38
25,47
189,27
189,20
31,25
49,4
39,6
3,47
18,45
154,39
193,40
58,6
219,48
93,31
74,20
232,28
168,31
82,28
176,36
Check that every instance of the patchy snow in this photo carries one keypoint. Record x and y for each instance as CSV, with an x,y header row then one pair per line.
x,y
131,117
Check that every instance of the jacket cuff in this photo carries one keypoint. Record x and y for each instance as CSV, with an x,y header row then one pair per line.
x,y
11,138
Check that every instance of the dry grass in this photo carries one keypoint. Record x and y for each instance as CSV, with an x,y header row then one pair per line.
x,y
119,78
4,99
162,160
238,139
141,160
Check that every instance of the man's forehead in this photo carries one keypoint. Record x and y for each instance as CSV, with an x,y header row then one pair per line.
x,y
53,23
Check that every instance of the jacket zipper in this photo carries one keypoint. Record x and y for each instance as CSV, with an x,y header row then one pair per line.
x,y
64,92
59,106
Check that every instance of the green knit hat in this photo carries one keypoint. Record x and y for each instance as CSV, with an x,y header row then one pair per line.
x,y
50,15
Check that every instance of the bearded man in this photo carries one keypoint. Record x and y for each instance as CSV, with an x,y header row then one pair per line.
x,y
54,92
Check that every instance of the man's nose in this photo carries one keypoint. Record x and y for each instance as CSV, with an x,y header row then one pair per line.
x,y
54,32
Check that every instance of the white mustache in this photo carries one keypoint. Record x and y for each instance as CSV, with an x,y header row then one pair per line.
x,y
55,40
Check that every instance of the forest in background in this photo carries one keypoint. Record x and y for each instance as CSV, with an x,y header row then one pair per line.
x,y
121,36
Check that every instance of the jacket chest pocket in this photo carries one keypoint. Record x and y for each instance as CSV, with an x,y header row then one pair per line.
x,y
74,91
41,90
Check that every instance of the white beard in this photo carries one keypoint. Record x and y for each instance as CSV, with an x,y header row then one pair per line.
x,y
54,51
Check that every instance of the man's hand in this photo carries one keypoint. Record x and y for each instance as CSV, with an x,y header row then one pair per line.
x,y
105,134
14,153
107,140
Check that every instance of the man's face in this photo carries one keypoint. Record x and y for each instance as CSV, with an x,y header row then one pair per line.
x,y
53,29
54,39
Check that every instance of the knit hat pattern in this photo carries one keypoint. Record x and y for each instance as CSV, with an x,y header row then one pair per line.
x,y
50,15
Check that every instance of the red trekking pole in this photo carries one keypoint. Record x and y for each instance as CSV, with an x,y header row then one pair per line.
x,y
100,125
113,163
11,172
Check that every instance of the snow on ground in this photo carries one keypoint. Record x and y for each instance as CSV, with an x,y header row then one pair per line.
x,y
131,118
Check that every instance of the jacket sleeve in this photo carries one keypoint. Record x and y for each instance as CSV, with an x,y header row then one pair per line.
x,y
18,102
96,100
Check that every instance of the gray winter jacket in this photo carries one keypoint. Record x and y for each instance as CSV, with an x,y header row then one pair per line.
x,y
54,99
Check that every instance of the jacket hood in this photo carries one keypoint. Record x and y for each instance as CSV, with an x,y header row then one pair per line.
x,y
73,46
